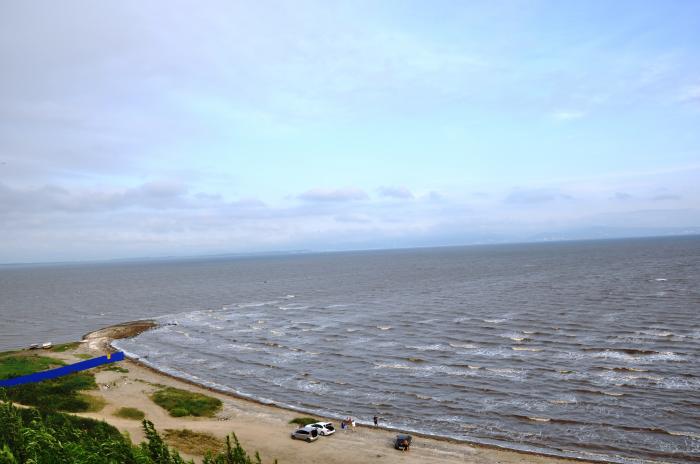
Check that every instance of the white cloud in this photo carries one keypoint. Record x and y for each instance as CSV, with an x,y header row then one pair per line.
x,y
690,94
569,115
395,192
333,195
535,196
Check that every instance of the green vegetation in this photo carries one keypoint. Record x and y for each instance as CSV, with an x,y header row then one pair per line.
x,y
130,413
184,403
191,442
83,355
115,368
94,403
12,365
60,394
65,347
39,437
303,421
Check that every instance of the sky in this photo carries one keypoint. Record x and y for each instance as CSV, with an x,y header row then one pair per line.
x,y
172,128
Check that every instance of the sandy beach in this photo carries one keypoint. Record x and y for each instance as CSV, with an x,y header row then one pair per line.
x,y
262,427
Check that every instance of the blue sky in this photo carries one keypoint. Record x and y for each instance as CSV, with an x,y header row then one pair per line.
x,y
177,128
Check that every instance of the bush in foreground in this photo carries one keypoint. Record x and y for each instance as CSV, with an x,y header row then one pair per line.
x,y
185,403
29,435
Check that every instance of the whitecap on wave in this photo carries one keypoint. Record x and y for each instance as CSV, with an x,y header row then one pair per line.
x,y
515,336
434,347
644,358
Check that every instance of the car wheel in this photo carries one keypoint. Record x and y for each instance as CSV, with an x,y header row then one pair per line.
x,y
308,440
293,437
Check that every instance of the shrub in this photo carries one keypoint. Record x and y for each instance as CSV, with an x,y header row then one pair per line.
x,y
95,403
115,368
191,442
130,413
303,421
185,403
65,347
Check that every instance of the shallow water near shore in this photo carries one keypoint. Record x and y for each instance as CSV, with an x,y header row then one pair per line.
x,y
588,347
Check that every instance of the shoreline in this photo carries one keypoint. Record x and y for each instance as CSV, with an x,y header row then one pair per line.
x,y
102,339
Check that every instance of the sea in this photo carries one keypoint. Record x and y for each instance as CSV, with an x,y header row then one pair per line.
x,y
587,349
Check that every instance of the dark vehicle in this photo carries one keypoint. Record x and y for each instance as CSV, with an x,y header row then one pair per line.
x,y
305,433
402,442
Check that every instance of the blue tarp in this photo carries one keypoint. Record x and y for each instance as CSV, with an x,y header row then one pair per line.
x,y
63,370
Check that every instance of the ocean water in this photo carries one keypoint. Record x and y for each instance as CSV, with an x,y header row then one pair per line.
x,y
584,348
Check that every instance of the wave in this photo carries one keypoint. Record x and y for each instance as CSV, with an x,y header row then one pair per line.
x,y
256,304
293,306
517,337
598,392
623,369
462,345
626,355
694,435
630,351
629,428
434,347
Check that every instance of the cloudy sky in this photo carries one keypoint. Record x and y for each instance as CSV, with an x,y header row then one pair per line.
x,y
159,128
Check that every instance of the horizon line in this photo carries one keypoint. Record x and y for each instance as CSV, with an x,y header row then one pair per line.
x,y
279,253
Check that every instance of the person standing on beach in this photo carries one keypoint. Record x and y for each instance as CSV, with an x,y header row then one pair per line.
x,y
352,422
376,421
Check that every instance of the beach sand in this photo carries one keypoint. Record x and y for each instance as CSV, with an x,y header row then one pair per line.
x,y
262,427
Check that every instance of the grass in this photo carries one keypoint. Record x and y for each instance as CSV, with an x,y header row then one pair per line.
x,y
17,365
185,403
114,368
83,355
191,442
130,413
65,347
94,403
303,421
59,394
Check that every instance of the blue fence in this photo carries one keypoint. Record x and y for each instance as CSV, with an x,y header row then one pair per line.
x,y
63,370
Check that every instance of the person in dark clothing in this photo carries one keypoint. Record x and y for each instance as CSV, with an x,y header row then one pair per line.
x,y
376,421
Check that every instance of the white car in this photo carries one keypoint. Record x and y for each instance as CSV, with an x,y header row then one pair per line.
x,y
324,428
307,433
